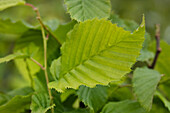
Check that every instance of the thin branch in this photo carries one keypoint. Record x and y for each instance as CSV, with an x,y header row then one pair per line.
x,y
41,22
37,63
45,49
158,49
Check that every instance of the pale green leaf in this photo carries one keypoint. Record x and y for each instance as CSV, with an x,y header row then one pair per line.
x,y
12,57
95,98
82,10
97,52
164,100
126,106
145,82
9,3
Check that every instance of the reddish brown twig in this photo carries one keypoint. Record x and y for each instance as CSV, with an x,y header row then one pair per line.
x,y
37,63
158,49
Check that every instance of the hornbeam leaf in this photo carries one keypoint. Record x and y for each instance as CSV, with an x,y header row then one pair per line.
x,y
126,106
12,57
9,3
145,82
97,52
82,10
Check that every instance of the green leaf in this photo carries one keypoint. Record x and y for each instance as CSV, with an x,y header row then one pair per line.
x,y
12,57
145,56
40,103
145,82
126,24
16,105
9,3
40,100
97,52
126,106
7,31
62,30
16,101
164,100
95,98
82,10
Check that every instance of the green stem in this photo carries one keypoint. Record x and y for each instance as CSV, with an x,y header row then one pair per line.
x,y
45,50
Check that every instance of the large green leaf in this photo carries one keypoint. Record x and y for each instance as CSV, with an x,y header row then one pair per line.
x,y
145,82
131,25
95,98
12,57
97,52
9,3
82,10
126,106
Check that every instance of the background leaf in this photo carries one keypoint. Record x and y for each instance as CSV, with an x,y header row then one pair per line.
x,y
145,82
126,106
82,10
9,3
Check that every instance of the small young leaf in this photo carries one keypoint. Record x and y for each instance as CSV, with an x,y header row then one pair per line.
x,y
97,52
40,100
126,106
40,103
9,3
145,55
145,82
82,10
